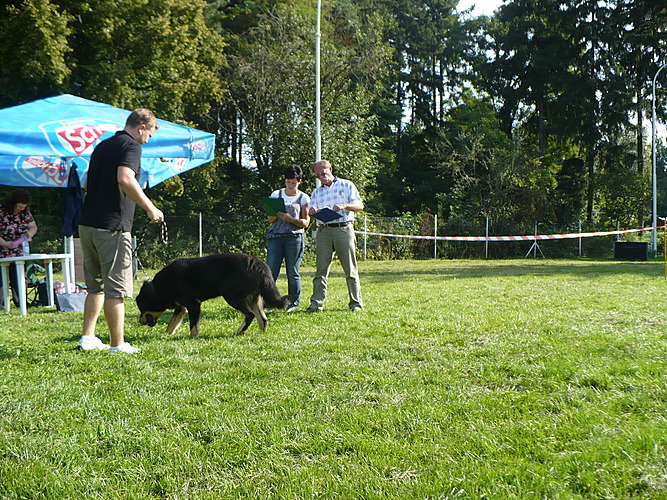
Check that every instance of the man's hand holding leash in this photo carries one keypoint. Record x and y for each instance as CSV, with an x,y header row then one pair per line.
x,y
155,215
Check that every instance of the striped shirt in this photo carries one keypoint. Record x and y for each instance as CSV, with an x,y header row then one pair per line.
x,y
341,191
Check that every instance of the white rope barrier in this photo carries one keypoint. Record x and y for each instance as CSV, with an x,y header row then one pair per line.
x,y
512,238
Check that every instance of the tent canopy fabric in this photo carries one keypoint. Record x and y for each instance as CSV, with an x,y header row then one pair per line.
x,y
39,140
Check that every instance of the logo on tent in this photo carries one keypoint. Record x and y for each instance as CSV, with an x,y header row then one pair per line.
x,y
178,165
77,137
43,171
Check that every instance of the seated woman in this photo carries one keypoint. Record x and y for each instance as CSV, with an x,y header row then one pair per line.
x,y
16,224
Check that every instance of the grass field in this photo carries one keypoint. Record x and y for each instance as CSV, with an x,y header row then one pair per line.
x,y
460,379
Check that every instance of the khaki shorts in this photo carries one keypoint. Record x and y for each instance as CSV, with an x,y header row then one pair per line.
x,y
107,261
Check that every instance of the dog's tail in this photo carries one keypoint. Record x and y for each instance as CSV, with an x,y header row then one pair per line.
x,y
269,290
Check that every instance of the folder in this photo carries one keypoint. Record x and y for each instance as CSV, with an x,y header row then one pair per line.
x,y
326,215
273,205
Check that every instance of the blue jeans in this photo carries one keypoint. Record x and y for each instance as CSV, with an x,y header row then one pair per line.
x,y
290,249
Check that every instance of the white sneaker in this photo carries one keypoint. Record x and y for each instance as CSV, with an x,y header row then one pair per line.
x,y
90,342
125,347
291,309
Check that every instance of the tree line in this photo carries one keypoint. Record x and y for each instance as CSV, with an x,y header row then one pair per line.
x,y
542,111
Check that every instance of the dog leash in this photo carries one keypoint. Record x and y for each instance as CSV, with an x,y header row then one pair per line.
x,y
164,237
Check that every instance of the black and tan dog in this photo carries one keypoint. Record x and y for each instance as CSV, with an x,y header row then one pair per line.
x,y
244,281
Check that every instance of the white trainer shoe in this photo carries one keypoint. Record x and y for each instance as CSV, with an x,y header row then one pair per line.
x,y
125,347
90,342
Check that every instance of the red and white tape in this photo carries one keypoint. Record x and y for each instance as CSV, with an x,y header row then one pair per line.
x,y
513,238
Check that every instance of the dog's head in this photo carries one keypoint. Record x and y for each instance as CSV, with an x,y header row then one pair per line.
x,y
149,304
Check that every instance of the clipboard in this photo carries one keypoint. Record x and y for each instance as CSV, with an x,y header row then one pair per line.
x,y
326,215
273,205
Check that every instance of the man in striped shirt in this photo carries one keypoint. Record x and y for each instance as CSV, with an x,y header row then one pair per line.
x,y
341,196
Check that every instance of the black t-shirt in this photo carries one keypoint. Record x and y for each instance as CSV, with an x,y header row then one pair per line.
x,y
106,205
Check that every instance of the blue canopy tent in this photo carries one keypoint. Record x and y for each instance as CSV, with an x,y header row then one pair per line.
x,y
39,140
48,143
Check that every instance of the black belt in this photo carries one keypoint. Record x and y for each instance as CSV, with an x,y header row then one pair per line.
x,y
284,235
337,224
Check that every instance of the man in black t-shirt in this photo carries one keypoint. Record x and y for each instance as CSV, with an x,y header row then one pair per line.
x,y
112,191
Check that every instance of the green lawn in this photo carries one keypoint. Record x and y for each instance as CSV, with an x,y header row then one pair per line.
x,y
460,379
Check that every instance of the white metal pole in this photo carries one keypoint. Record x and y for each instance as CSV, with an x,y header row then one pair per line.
x,y
70,250
318,131
201,236
486,242
654,246
70,240
365,236
435,236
